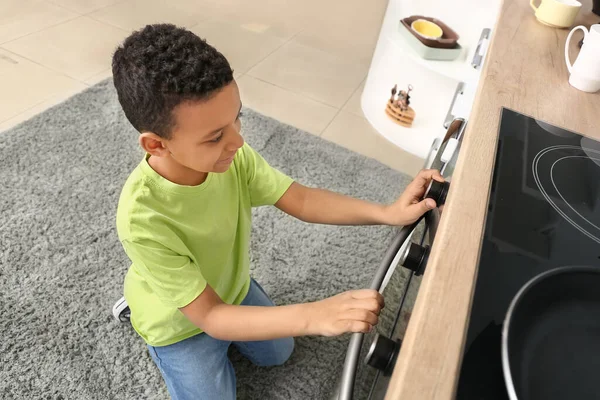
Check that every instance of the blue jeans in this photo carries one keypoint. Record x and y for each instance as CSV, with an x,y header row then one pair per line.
x,y
198,368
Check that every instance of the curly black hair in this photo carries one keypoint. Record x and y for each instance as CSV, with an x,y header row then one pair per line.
x,y
161,66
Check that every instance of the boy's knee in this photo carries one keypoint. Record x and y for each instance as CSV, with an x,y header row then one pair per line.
x,y
283,352
288,349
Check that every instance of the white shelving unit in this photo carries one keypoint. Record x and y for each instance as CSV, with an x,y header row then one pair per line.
x,y
434,82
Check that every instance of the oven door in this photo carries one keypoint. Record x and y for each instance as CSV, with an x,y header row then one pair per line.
x,y
370,357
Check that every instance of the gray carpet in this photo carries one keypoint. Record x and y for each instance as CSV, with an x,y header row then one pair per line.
x,y
62,267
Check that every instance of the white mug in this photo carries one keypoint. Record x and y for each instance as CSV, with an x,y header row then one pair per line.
x,y
585,72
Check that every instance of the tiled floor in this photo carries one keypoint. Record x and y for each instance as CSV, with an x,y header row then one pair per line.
x,y
301,62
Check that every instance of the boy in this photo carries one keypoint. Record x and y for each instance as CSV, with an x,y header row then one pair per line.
x,y
184,221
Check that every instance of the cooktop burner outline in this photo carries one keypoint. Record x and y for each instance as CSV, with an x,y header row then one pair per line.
x,y
548,198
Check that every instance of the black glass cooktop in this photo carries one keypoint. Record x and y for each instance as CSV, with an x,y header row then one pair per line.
x,y
543,213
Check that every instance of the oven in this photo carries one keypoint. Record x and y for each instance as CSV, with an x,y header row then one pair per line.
x,y
370,358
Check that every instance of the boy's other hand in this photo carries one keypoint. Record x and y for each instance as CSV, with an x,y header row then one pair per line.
x,y
352,311
410,206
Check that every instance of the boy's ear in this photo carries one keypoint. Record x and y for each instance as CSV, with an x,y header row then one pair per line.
x,y
153,144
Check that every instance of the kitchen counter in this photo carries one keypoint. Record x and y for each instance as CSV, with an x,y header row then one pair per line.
x,y
524,71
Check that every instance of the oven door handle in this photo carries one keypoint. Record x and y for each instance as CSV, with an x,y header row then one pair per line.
x,y
346,388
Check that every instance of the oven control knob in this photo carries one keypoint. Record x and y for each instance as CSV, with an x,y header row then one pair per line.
x,y
415,258
382,353
438,191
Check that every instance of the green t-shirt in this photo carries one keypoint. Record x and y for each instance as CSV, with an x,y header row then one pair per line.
x,y
179,238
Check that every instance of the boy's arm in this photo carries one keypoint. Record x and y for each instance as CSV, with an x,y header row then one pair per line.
x,y
353,311
325,207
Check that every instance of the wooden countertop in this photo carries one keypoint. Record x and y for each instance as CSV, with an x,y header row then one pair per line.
x,y
524,70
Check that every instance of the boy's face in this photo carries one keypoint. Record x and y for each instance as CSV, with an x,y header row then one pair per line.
x,y
207,135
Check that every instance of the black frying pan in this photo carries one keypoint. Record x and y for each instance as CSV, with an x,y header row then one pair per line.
x,y
551,337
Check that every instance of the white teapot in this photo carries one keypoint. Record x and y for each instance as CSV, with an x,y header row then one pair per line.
x,y
585,71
